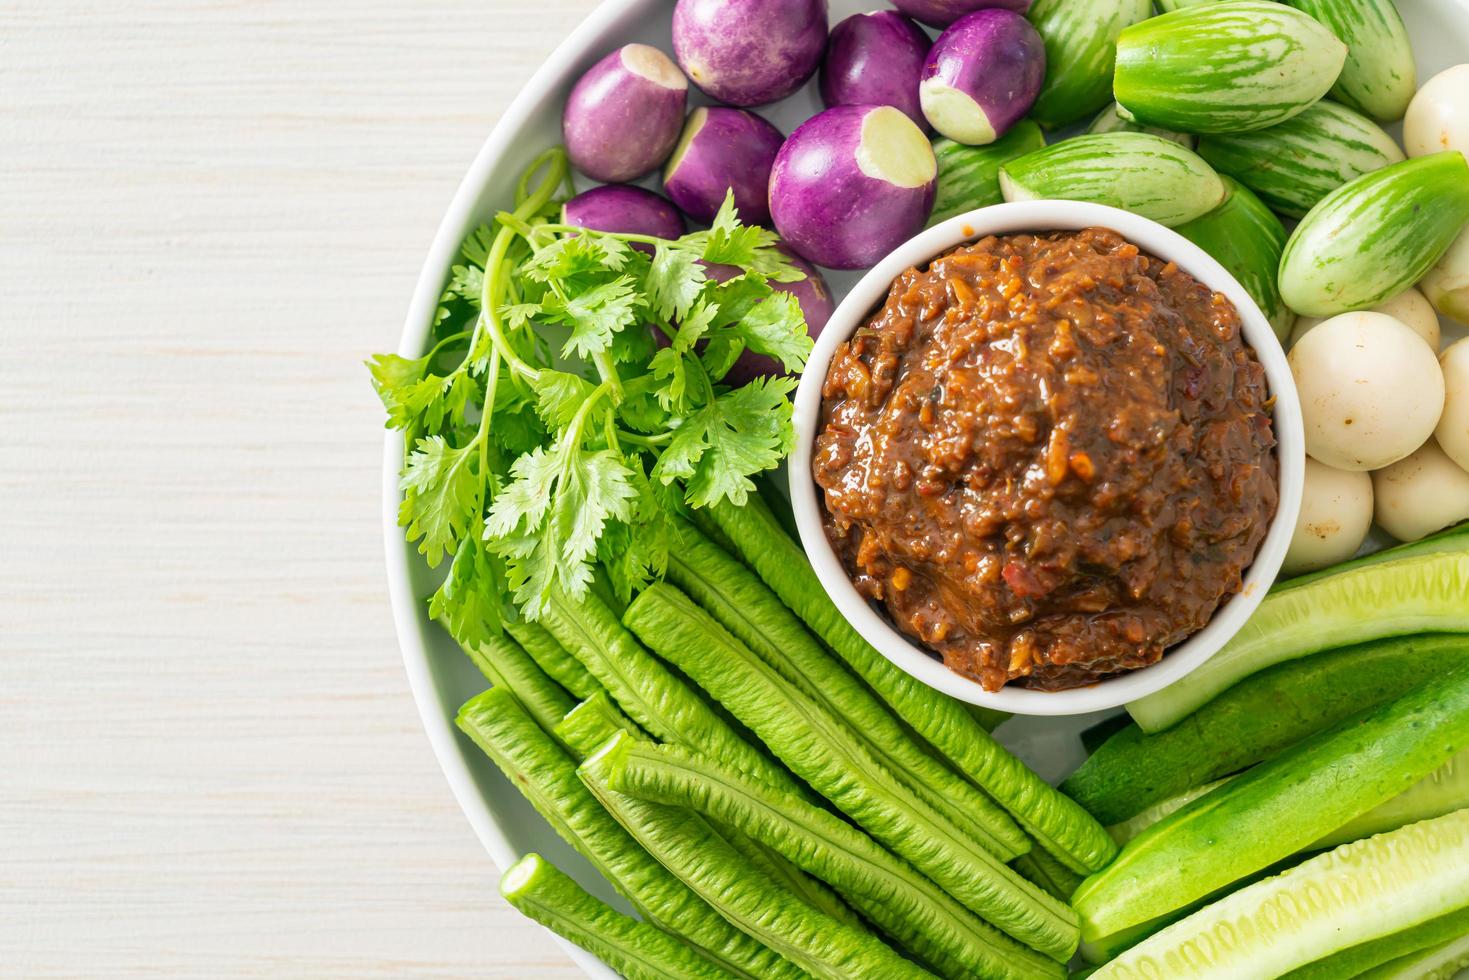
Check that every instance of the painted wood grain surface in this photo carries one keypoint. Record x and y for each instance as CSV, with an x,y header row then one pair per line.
x,y
210,211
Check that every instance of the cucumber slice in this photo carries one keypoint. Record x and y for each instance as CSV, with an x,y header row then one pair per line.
x,y
1353,961
1376,236
1412,595
1293,165
1131,827
1441,962
1355,893
1454,540
1444,790
1138,172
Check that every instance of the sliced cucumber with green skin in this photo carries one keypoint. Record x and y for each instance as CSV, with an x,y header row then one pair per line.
x,y
539,769
969,176
1279,807
1396,598
1057,822
1353,961
1379,77
1255,720
1224,67
1376,236
694,852
1444,790
1355,893
1138,172
636,950
1293,165
819,748
1246,238
1453,540
894,896
1442,962
1108,121
1081,48
1124,832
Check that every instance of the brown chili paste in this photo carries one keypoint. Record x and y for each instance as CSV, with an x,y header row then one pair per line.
x,y
1048,456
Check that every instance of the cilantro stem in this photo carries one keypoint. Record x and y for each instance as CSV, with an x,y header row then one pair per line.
x,y
645,442
619,235
438,348
610,377
482,436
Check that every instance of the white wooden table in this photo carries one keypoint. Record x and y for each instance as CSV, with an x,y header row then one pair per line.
x,y
210,212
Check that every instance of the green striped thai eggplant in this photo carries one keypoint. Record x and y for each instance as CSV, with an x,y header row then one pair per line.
x,y
1138,172
1296,163
1379,77
1108,121
1225,67
1081,45
1376,236
1246,238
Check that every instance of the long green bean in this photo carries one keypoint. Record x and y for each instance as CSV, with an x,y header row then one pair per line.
x,y
742,604
909,907
1063,827
504,663
818,747
688,846
547,777
552,657
584,728
636,950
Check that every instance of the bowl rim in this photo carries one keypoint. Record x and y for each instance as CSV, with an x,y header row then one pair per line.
x,y
1019,216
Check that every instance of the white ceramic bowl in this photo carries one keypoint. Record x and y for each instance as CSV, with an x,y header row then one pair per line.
x,y
872,289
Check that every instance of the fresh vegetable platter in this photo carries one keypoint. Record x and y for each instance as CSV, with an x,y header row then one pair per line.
x,y
708,812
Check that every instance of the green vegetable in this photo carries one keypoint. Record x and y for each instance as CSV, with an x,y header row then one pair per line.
x,y
1247,239
585,728
1108,121
737,599
1081,46
1351,962
538,768
634,949
1356,893
1454,539
789,877
1139,172
969,176
821,749
1224,67
1279,806
525,471
1442,962
1412,595
662,704
1168,6
1040,868
1294,164
908,906
1128,829
1255,720
553,659
1444,790
1054,820
1379,77
1376,236
505,664
685,844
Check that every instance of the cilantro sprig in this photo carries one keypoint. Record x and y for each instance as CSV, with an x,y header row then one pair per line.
x,y
572,401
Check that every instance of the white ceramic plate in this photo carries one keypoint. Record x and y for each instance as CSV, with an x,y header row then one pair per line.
x,y
442,678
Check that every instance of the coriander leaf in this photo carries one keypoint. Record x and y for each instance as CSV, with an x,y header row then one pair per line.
x,y
548,519
559,395
467,282
750,247
668,367
673,282
633,346
576,255
721,445
409,396
476,248
692,325
469,602
776,327
636,552
389,371
594,315
738,296
720,354
441,495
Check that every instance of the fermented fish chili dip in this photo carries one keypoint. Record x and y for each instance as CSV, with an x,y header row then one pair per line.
x,y
1048,456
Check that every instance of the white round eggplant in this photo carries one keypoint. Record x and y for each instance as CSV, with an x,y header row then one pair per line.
x,y
623,116
1409,307
942,13
875,59
851,184
1438,116
1423,493
1447,283
1335,516
983,74
1453,426
723,150
749,52
1371,390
